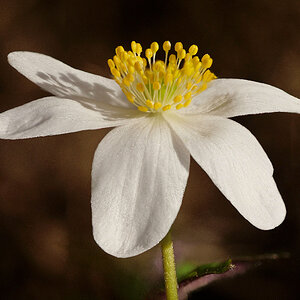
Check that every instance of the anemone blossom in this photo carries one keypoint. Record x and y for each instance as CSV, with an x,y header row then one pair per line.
x,y
164,111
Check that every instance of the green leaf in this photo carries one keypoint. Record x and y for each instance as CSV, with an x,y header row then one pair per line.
x,y
192,279
189,272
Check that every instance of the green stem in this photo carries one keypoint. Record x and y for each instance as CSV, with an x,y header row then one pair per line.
x,y
169,267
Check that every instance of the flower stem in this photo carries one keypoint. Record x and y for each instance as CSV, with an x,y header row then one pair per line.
x,y
169,267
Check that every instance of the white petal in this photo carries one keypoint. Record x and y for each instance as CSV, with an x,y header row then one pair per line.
x,y
139,175
235,97
52,115
236,163
64,81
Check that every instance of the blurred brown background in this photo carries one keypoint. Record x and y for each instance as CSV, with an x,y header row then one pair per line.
x,y
47,250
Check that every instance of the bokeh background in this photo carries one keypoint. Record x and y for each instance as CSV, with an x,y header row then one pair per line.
x,y
46,246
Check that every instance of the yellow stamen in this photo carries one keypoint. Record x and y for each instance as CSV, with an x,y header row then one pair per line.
x,y
115,72
178,46
157,105
133,46
168,78
188,96
167,46
148,53
154,47
188,85
156,86
178,106
139,49
187,103
181,54
206,61
111,63
193,50
140,87
130,98
177,99
143,108
167,107
150,103
119,50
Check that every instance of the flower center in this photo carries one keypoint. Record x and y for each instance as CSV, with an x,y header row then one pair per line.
x,y
156,85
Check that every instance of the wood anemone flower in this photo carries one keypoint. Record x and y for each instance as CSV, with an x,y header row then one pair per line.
x,y
163,111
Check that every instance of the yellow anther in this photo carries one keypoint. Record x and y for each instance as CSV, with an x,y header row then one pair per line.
x,y
196,60
117,60
168,78
130,97
188,96
140,87
199,79
207,64
131,61
119,50
130,77
138,66
160,63
161,75
145,79
188,70
122,67
178,106
172,58
118,81
159,66
154,47
138,58
176,73
166,107
167,46
130,54
193,50
189,85
156,85
198,66
115,72
188,57
178,46
172,69
196,75
149,74
206,61
126,81
181,54
133,46
144,62
208,76
150,103
143,108
148,53
202,88
131,69
177,99
111,63
124,56
187,103
157,105
139,48
205,57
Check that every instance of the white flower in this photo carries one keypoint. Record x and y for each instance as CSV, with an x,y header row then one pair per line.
x,y
140,168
